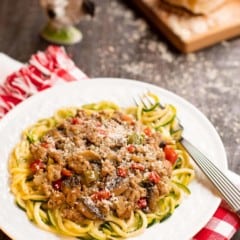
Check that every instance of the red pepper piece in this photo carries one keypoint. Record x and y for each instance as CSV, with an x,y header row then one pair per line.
x,y
148,131
75,121
154,177
66,172
170,154
131,148
36,165
122,172
57,184
101,195
142,203
138,166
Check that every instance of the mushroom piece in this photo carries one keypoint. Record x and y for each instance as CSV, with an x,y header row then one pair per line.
x,y
152,198
88,209
90,156
123,208
118,186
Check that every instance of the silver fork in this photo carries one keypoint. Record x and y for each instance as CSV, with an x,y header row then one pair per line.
x,y
226,188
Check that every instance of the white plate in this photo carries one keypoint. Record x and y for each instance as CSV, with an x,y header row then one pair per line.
x,y
186,221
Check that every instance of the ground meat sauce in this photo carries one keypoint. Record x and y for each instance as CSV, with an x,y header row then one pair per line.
x,y
96,164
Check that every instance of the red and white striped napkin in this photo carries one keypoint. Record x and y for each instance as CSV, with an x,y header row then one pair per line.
x,y
44,70
54,66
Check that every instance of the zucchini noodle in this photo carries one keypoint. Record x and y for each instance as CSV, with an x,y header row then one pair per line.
x,y
158,118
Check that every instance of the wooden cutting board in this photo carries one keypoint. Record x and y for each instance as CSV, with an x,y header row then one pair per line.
x,y
189,32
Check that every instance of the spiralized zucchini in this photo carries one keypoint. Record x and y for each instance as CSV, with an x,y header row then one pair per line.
x,y
160,118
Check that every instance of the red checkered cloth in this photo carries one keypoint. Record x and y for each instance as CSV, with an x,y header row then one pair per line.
x,y
221,226
54,66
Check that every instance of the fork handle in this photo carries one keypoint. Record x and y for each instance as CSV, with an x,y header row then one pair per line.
x,y
228,190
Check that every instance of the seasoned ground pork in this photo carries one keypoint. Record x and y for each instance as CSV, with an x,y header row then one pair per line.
x,y
97,164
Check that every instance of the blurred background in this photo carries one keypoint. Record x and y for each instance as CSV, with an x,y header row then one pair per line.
x,y
119,42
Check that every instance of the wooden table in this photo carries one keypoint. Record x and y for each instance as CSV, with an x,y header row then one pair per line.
x,y
119,43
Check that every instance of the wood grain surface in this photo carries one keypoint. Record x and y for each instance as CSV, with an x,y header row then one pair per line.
x,y
118,42
189,32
